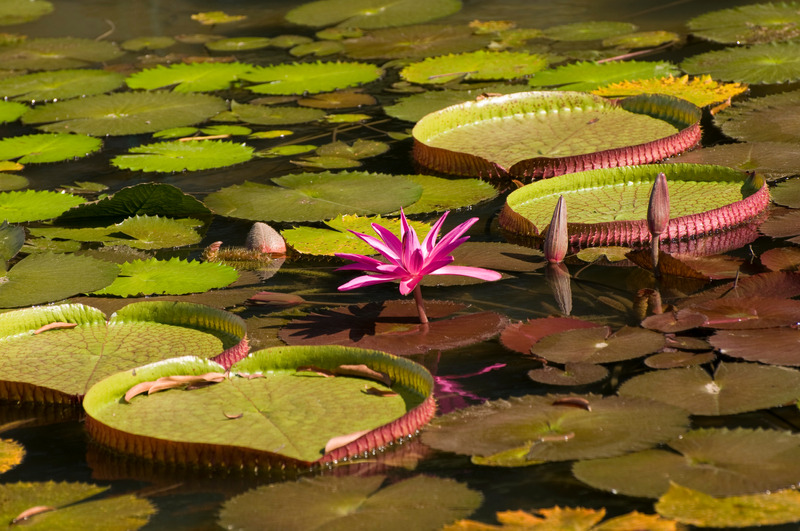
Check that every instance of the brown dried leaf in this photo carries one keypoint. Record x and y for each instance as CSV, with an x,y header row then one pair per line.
x,y
55,326
311,368
33,511
233,416
343,440
573,401
362,371
369,390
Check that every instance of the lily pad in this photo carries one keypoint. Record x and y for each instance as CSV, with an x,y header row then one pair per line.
x,y
718,462
273,408
733,388
769,119
154,232
701,90
412,108
609,206
272,115
773,160
757,64
369,14
776,346
11,454
323,195
541,134
194,77
782,223
183,156
168,277
693,507
480,65
71,505
351,504
419,41
597,345
520,337
236,44
47,147
781,259
59,85
20,11
35,205
530,429
588,31
738,313
577,519
787,193
749,24
125,113
57,53
642,39
12,237
573,374
155,42
10,111
301,78
589,76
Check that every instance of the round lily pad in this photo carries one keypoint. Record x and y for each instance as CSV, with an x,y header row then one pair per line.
x,y
733,388
126,113
284,405
609,206
773,160
530,429
787,193
56,53
541,134
597,345
520,337
175,156
59,84
480,65
301,78
772,118
776,346
323,195
168,277
757,64
10,111
419,41
749,24
369,14
47,147
269,115
719,462
351,504
194,77
20,11
781,259
35,205
55,353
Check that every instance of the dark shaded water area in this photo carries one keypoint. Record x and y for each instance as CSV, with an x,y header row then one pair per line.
x,y
57,446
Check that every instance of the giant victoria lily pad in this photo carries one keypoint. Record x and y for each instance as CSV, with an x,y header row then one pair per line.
x,y
55,353
542,134
609,206
277,406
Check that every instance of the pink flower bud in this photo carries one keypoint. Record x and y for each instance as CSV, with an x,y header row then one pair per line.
x,y
556,243
264,239
658,209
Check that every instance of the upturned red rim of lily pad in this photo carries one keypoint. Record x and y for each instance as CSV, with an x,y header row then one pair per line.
x,y
540,134
609,206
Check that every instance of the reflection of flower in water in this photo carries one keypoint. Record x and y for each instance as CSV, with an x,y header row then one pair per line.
x,y
451,396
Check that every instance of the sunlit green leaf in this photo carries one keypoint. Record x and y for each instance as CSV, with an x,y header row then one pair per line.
x,y
56,53
589,76
182,156
20,11
299,78
30,205
369,14
757,64
59,84
193,77
168,277
10,111
47,147
480,65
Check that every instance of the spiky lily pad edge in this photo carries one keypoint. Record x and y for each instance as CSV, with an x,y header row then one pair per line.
x,y
636,233
227,458
684,115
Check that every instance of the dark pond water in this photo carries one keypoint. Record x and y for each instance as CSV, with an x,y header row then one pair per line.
x,y
57,446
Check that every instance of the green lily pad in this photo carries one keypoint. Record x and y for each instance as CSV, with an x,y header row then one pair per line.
x,y
440,194
695,508
323,195
125,113
317,49
47,147
769,119
541,134
749,24
642,39
719,462
83,347
47,277
148,199
773,160
10,111
702,198
272,115
787,193
72,506
20,11
369,14
183,156
702,90
57,53
154,42
85,234
585,76
229,130
30,205
412,108
480,65
235,44
351,503
290,41
597,345
419,41
531,429
733,388
300,78
59,84
12,238
757,64
168,277
194,77
154,232
279,415
588,31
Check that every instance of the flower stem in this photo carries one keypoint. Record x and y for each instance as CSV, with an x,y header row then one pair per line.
x,y
423,317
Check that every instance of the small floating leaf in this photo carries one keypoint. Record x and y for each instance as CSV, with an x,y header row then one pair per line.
x,y
10,111
480,65
52,147
194,77
369,14
30,205
20,11
300,78
56,53
183,156
173,276
588,31
771,118
211,18
59,84
597,345
589,76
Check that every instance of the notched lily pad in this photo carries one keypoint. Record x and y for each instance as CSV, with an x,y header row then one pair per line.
x,y
480,65
47,147
589,76
757,64
701,90
749,24
768,119
168,277
301,78
192,155
194,77
59,84
35,205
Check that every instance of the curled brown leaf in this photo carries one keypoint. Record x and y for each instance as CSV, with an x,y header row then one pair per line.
x,y
33,511
343,440
369,390
55,326
573,401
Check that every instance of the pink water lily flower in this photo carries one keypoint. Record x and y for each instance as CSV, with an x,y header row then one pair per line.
x,y
409,261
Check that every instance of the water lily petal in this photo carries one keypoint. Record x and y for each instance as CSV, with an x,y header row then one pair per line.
x,y
391,241
430,240
379,246
366,280
407,285
467,271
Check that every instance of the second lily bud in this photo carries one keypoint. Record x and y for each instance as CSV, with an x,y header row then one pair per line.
x,y
556,243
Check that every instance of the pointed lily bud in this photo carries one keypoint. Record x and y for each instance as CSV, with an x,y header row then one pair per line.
x,y
556,243
264,239
658,209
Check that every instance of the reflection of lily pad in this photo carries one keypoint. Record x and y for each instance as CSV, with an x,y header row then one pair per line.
x,y
56,53
718,462
125,113
60,84
369,14
323,196
393,326
772,118
47,147
760,63
301,78
480,65
84,347
279,415
733,388
350,503
589,76
556,427
182,156
541,134
609,206
168,277
749,24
